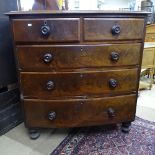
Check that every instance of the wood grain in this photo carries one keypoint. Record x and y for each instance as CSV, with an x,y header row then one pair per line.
x,y
75,57
97,29
77,83
61,30
71,113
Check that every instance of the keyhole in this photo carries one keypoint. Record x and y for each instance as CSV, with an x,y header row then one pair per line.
x,y
45,22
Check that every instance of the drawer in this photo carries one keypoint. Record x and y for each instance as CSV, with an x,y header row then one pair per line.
x,y
47,30
46,58
75,113
99,29
48,85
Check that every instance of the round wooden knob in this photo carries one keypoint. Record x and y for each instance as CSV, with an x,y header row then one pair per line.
x,y
51,115
45,30
113,83
116,30
50,85
111,112
48,57
114,56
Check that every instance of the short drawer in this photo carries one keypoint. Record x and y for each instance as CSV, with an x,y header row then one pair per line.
x,y
47,58
48,85
46,30
75,113
100,29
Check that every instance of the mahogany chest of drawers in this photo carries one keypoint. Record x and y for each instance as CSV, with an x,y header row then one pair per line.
x,y
78,68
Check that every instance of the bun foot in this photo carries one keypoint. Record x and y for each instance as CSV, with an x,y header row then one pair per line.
x,y
126,126
34,133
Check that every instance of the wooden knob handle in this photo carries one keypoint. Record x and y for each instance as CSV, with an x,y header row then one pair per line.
x,y
113,83
48,57
51,115
116,30
111,112
45,30
114,56
50,85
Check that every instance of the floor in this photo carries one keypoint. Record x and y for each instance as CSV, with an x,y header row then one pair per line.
x,y
146,104
17,142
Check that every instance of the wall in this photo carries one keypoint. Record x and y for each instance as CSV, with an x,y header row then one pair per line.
x,y
107,4
115,4
93,4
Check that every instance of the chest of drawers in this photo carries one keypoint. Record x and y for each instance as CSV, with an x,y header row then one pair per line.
x,y
78,68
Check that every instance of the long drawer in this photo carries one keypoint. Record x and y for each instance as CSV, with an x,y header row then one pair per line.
x,y
47,85
100,29
47,58
46,30
86,112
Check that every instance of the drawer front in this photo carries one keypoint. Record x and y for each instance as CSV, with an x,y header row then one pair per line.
x,y
75,113
98,29
49,85
46,58
47,30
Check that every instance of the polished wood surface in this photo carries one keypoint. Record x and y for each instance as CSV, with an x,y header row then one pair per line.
x,y
78,68
114,13
74,57
68,29
86,112
97,29
78,83
61,30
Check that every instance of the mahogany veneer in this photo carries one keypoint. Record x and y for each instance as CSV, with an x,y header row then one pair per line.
x,y
78,68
